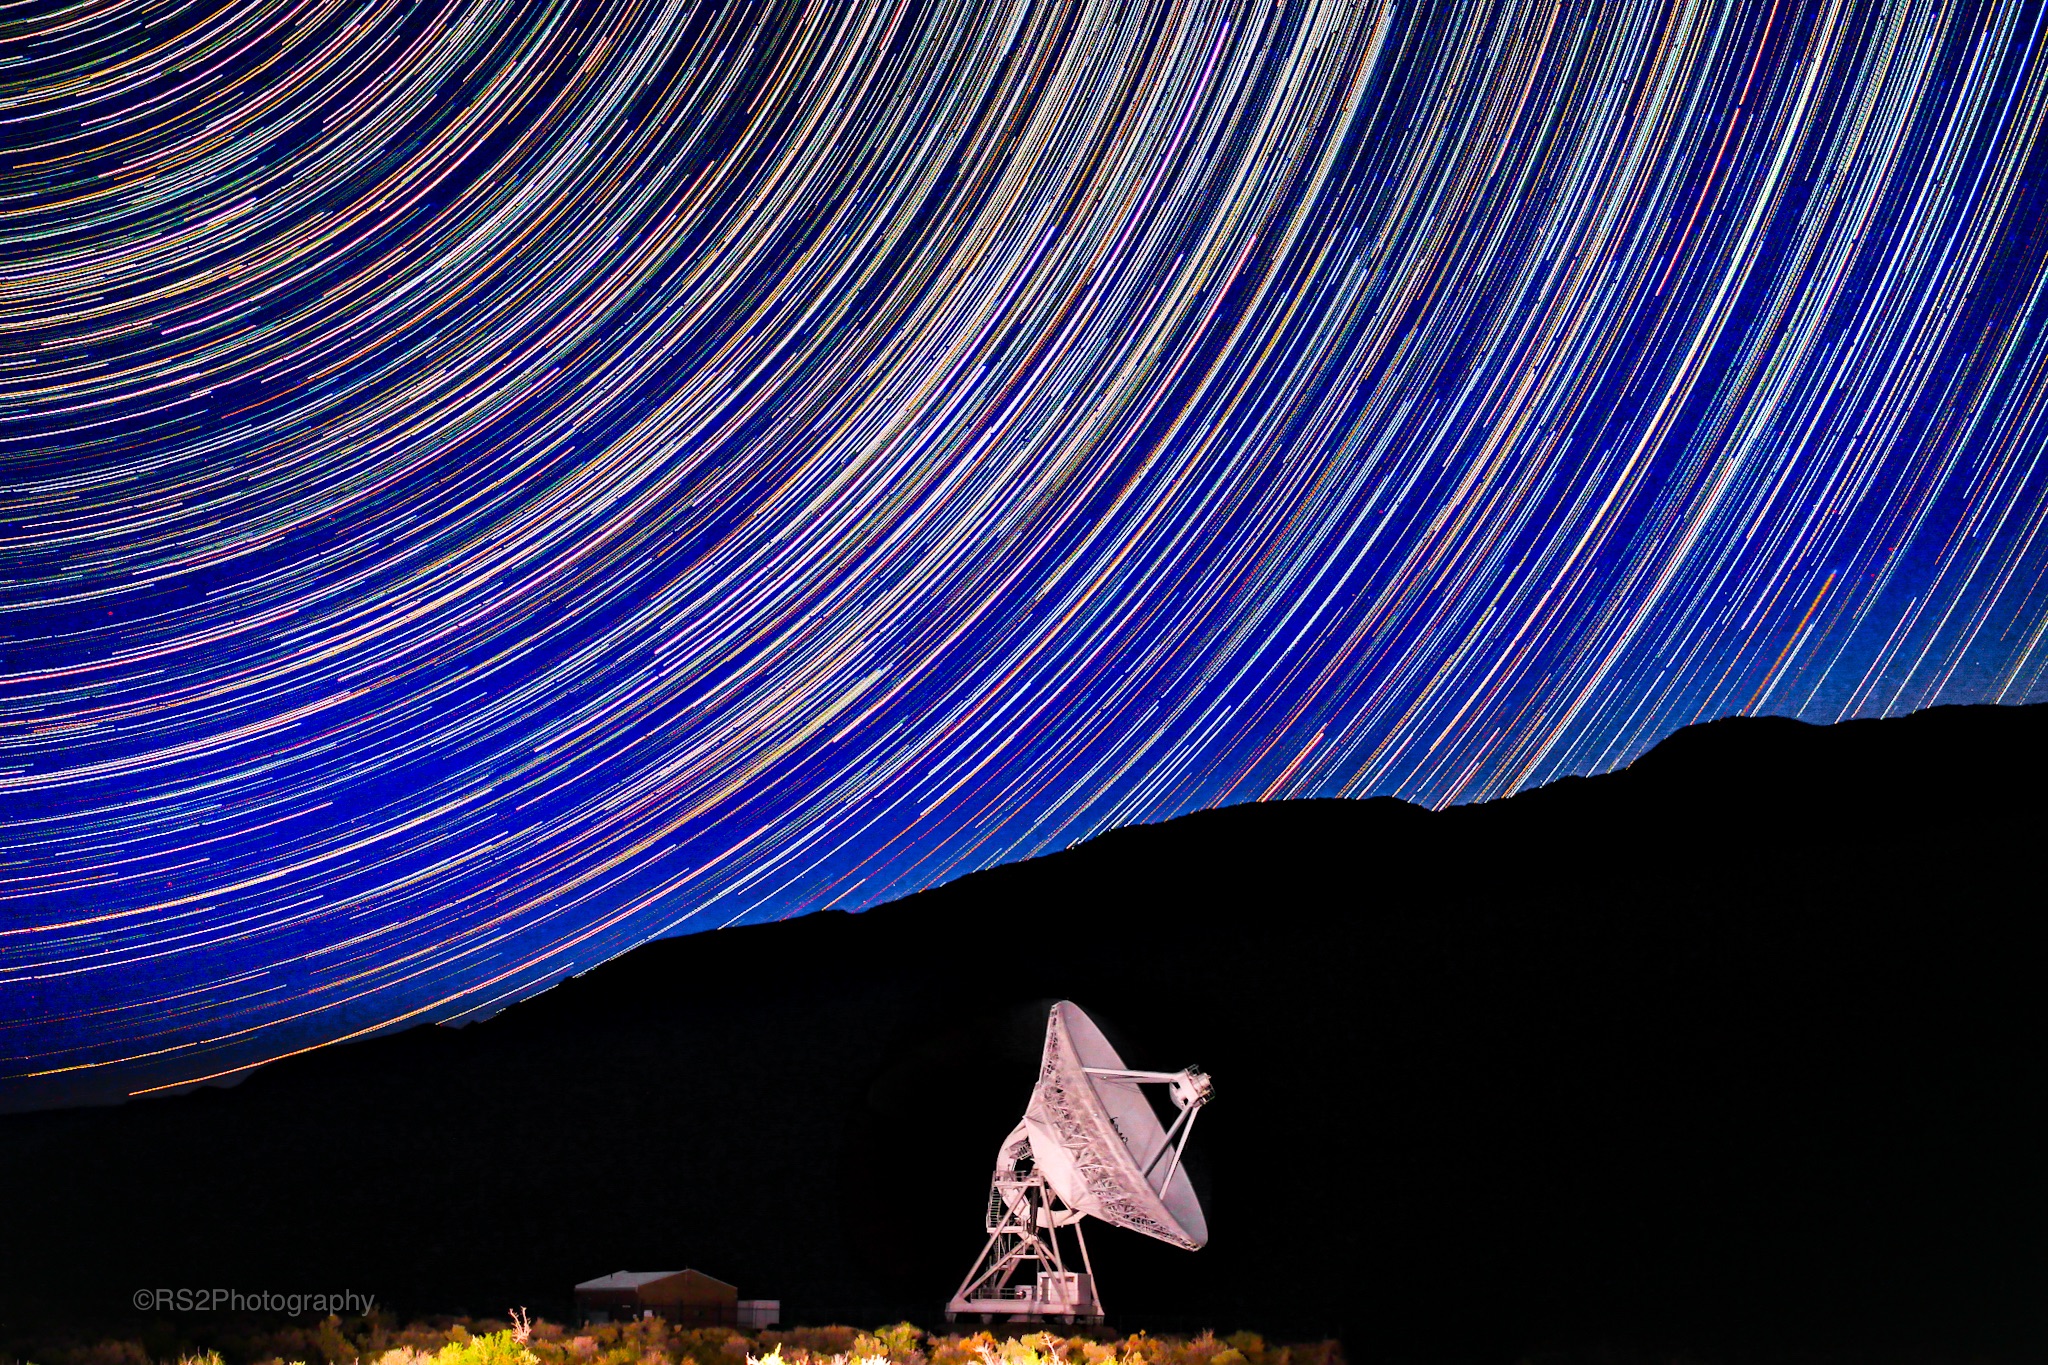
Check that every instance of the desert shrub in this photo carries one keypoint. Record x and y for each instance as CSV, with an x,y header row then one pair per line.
x,y
798,1342
707,1345
1034,1348
897,1343
330,1344
961,1350
901,1340
498,1348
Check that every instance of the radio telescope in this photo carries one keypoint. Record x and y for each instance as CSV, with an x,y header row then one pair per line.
x,y
1089,1145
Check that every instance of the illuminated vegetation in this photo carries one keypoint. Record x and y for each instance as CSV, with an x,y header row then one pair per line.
x,y
376,1341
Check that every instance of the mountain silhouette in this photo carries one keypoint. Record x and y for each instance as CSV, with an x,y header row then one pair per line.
x,y
1741,1047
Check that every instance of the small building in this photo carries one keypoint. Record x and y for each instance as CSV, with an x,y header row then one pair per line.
x,y
688,1298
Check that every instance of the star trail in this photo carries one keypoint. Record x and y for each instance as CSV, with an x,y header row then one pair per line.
x,y
487,483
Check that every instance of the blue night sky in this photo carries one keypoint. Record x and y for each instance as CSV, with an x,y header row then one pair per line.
x,y
487,483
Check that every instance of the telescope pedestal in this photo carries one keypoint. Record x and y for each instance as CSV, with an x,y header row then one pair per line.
x,y
1021,1275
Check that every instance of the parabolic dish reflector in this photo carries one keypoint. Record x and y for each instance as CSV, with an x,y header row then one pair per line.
x,y
1098,1141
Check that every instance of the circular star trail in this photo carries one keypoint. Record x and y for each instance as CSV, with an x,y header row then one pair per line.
x,y
487,483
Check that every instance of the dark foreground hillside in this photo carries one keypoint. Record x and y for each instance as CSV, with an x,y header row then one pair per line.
x,y
1741,1050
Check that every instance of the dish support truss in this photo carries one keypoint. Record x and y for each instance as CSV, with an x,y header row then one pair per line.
x,y
1021,1274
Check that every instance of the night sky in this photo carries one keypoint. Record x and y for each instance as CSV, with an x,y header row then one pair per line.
x,y
487,483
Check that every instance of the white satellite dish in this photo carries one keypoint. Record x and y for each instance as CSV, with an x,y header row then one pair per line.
x,y
1089,1145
